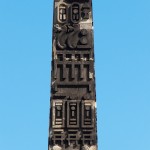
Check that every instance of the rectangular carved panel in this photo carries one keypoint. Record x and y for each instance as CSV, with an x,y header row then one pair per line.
x,y
73,137
88,113
58,137
73,114
89,137
58,112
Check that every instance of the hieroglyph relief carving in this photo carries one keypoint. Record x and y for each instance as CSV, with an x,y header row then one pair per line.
x,y
73,101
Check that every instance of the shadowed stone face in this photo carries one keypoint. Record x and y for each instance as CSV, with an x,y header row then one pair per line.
x,y
73,100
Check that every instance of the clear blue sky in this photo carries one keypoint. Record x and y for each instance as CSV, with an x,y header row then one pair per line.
x,y
122,51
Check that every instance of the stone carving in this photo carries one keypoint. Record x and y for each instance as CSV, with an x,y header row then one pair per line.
x,y
62,13
75,12
72,109
85,11
71,37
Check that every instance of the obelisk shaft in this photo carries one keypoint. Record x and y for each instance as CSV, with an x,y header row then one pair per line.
x,y
73,100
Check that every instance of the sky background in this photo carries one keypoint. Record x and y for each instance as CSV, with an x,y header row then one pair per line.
x,y
122,60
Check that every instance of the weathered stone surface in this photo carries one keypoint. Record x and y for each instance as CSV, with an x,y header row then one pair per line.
x,y
73,100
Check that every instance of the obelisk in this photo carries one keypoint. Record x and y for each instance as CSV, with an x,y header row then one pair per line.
x,y
73,96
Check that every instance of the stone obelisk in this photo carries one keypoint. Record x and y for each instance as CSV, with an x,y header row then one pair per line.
x,y
73,97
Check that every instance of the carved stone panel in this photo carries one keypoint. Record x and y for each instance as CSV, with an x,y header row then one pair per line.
x,y
58,113
88,113
73,114
73,97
